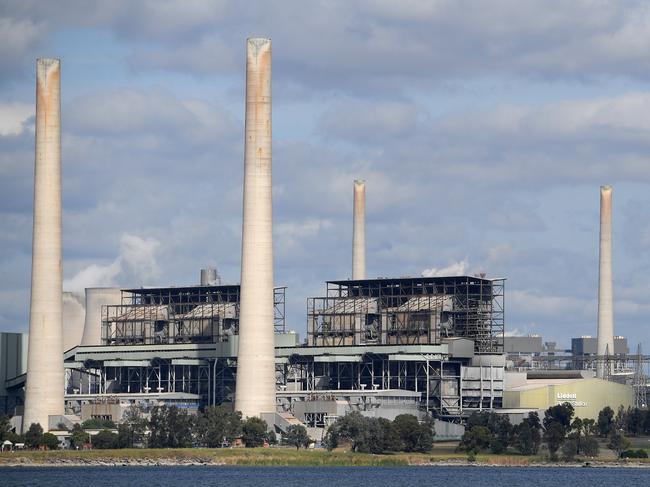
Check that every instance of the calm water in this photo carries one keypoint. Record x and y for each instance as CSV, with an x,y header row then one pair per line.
x,y
336,477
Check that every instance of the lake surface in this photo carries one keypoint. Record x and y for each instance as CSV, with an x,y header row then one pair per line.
x,y
199,476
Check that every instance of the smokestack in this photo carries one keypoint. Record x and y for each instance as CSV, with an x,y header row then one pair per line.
x,y
44,388
255,390
210,277
605,304
74,315
96,297
359,231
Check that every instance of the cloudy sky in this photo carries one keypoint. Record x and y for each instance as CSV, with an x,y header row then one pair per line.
x,y
483,135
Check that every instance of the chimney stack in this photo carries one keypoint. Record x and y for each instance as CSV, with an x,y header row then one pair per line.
x,y
359,231
605,298
44,388
255,388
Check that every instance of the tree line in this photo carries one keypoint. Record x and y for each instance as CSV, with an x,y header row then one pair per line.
x,y
380,435
166,427
559,430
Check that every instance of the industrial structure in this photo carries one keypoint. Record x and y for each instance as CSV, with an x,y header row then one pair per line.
x,y
255,371
418,344
359,231
605,293
385,346
44,389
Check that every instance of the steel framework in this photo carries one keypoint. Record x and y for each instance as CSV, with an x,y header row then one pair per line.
x,y
198,314
409,311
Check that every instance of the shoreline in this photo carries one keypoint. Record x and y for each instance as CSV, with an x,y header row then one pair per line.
x,y
282,458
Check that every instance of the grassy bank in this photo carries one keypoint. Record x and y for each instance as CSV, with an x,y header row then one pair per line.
x,y
262,457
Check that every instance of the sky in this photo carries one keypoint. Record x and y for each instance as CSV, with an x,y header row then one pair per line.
x,y
483,132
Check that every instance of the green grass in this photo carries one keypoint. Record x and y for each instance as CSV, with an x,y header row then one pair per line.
x,y
442,453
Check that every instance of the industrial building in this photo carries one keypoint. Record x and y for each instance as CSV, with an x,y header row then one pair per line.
x,y
417,344
381,346
13,365
539,390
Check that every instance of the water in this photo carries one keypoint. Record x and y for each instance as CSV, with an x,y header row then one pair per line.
x,y
200,476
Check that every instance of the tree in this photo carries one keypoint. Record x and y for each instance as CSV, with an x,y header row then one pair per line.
x,y
331,438
254,432
590,446
79,437
131,431
49,441
635,422
605,421
570,448
415,437
351,427
5,426
33,435
170,427
392,440
618,443
105,440
499,426
526,435
62,427
296,435
218,425
475,440
557,424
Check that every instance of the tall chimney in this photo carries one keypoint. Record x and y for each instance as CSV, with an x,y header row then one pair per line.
x,y
605,305
255,389
359,231
44,388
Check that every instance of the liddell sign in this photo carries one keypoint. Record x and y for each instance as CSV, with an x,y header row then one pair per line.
x,y
571,398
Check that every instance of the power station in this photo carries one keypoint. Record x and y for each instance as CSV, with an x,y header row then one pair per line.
x,y
385,346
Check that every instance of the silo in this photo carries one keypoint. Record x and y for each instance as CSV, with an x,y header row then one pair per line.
x,y
255,389
96,297
44,387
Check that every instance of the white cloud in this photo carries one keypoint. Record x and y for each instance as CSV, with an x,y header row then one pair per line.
x,y
13,117
134,266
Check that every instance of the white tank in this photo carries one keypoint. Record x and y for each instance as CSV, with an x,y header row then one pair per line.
x,y
96,297
74,315
255,388
44,387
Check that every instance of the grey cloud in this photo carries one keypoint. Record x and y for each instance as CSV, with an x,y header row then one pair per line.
x,y
366,46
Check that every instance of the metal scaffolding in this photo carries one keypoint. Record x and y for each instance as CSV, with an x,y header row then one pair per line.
x,y
198,314
409,311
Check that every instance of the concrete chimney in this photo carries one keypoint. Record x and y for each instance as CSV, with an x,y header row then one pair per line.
x,y
44,388
359,231
605,298
255,390
74,316
96,297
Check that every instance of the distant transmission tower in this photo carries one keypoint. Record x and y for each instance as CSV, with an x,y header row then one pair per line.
x,y
607,365
639,380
